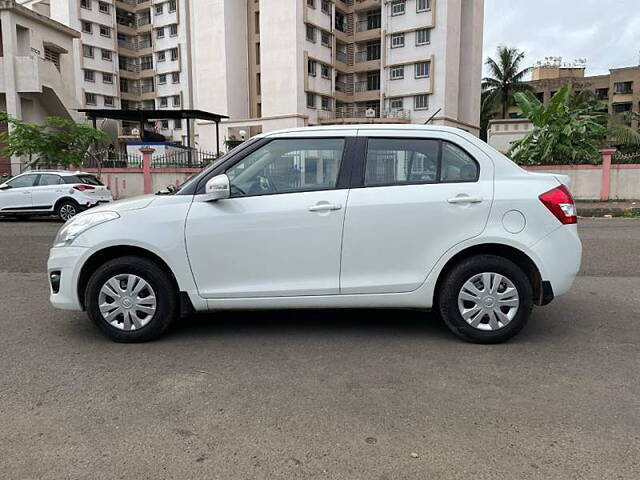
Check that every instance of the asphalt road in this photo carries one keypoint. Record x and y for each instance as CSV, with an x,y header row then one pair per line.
x,y
353,395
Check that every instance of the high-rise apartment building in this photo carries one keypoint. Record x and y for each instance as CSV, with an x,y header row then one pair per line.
x,y
282,63
132,54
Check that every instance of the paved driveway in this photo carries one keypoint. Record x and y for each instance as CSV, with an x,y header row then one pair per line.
x,y
354,394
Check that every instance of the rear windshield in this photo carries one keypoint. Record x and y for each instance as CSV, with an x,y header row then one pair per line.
x,y
86,179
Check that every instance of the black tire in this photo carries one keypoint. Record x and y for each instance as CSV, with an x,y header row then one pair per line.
x,y
163,287
67,209
465,270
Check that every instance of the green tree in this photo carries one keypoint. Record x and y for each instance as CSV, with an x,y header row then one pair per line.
x,y
57,141
568,130
505,79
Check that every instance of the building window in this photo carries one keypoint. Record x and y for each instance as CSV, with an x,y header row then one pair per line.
x,y
87,27
602,93
623,87
256,22
175,77
146,62
423,5
105,31
164,124
160,9
325,39
85,4
397,40
421,102
311,100
160,32
397,103
52,56
423,36
422,69
108,101
258,84
325,71
621,107
107,55
177,124
89,76
258,53
176,100
311,3
174,54
311,33
398,7
162,79
397,72
104,7
326,7
162,56
173,30
172,6
325,103
258,110
107,78
90,98
87,51
311,67
164,102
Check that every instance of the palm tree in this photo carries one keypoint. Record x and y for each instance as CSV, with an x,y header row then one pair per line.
x,y
505,79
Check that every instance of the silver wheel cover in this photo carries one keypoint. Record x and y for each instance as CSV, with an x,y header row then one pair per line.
x,y
67,211
127,302
488,301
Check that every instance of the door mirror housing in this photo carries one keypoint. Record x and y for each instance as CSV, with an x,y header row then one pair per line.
x,y
217,188
4,186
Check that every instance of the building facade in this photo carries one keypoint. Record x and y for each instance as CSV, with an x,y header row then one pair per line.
x,y
132,54
287,63
37,71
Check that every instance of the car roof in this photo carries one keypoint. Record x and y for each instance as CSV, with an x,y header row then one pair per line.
x,y
62,173
368,127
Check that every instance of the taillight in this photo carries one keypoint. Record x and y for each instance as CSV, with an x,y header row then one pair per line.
x,y
560,202
82,187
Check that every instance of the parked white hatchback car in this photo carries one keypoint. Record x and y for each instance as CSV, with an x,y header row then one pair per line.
x,y
362,217
61,193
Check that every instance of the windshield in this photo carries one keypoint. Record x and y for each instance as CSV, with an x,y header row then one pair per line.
x,y
193,180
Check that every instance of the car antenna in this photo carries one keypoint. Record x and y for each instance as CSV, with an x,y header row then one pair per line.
x,y
432,117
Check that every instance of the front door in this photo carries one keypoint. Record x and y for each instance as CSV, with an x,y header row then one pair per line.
x,y
49,188
280,232
419,198
17,197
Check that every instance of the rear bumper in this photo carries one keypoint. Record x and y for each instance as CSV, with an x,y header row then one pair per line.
x,y
560,255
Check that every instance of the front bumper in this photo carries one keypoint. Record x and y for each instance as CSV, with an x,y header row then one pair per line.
x,y
65,262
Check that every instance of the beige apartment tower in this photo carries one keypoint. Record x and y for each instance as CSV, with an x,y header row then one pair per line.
x,y
287,63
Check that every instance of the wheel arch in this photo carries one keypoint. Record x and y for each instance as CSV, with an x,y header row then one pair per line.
x,y
102,256
517,256
64,199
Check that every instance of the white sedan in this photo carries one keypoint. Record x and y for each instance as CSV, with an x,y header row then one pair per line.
x,y
388,216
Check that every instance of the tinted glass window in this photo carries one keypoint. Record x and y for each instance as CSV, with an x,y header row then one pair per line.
x,y
288,165
48,179
23,181
397,161
86,179
457,165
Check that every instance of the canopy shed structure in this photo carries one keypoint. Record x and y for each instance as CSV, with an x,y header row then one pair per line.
x,y
144,116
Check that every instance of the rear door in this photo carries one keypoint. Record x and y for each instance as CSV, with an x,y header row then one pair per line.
x,y
17,196
414,197
47,190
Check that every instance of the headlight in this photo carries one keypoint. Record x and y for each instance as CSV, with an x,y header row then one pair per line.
x,y
73,228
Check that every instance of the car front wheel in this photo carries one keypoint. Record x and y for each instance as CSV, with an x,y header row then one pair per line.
x,y
486,299
131,299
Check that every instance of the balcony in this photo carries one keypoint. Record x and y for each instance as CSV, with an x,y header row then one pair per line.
x,y
343,58
369,85
129,66
368,55
357,114
371,23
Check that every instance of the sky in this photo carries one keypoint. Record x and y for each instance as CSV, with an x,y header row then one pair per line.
x,y
606,33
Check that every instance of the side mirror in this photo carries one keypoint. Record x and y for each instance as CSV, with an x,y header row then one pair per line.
x,y
218,188
4,186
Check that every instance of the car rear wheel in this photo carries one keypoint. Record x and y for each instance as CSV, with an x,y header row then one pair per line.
x,y
486,299
131,299
67,210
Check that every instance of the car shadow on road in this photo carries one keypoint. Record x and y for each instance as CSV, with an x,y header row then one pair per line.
x,y
306,322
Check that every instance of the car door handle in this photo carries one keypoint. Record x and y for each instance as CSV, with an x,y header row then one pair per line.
x,y
324,207
465,199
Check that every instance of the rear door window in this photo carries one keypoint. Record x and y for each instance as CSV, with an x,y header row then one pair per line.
x,y
49,179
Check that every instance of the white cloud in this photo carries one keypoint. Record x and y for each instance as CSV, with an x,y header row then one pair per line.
x,y
607,33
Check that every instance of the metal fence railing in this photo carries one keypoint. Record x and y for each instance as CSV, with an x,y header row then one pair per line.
x,y
184,159
625,158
